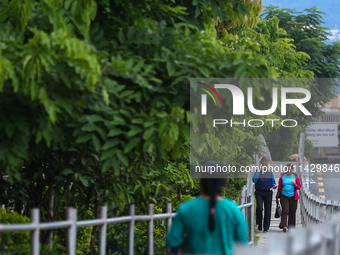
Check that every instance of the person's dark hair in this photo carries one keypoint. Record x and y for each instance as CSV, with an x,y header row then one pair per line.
x,y
263,158
212,187
290,165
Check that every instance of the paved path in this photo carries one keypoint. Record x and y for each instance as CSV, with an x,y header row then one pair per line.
x,y
274,224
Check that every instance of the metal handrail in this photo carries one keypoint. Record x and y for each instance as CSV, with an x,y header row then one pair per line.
x,y
71,224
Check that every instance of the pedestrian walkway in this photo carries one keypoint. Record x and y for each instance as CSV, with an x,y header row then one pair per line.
x,y
274,223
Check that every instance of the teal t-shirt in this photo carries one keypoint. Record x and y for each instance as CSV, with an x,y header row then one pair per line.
x,y
288,188
192,219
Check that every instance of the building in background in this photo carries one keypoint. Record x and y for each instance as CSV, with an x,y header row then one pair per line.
x,y
325,133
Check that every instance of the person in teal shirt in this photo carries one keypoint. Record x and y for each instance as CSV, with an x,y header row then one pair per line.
x,y
288,188
289,184
208,224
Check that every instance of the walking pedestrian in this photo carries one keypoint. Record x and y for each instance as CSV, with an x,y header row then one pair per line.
x,y
289,184
208,224
264,183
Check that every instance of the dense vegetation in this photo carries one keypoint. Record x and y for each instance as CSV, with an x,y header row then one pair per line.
x,y
309,36
95,102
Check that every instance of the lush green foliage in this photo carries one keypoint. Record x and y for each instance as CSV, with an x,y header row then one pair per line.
x,y
92,104
9,241
20,242
95,101
306,34
306,29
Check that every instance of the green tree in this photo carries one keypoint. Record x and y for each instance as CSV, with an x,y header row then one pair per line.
x,y
93,99
269,39
305,31
309,36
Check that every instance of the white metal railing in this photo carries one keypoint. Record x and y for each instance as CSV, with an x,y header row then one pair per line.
x,y
316,239
71,224
313,208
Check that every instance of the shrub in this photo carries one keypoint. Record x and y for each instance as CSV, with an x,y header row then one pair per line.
x,y
14,242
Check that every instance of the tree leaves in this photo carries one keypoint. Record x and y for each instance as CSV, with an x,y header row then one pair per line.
x,y
162,187
94,118
149,132
84,180
115,132
107,164
110,98
67,171
110,143
134,130
131,144
89,127
122,157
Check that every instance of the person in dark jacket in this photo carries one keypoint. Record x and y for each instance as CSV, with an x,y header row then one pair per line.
x,y
264,183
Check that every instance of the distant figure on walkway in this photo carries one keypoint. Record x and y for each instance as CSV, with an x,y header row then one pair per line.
x,y
289,184
264,183
208,224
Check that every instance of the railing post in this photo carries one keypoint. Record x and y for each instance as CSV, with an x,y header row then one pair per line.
x,y
323,207
102,237
71,215
150,230
242,201
35,219
318,209
248,216
168,220
131,237
336,207
329,208
301,149
252,212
